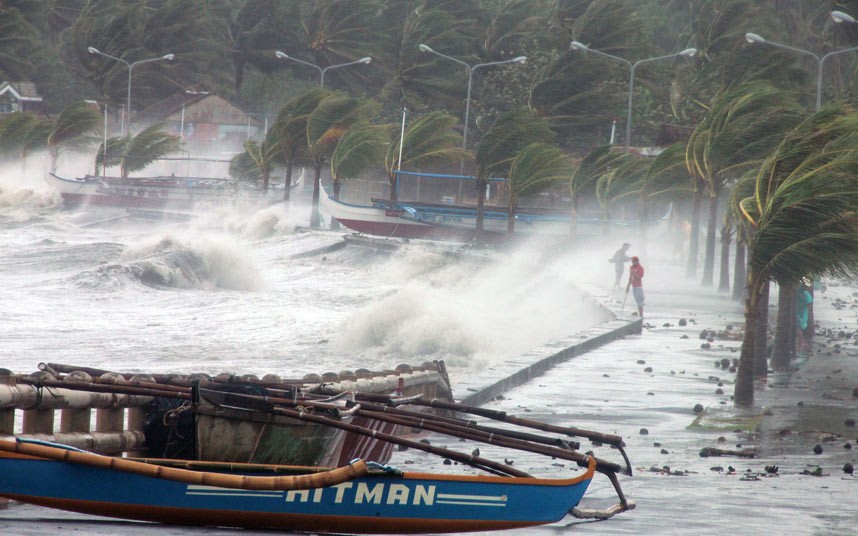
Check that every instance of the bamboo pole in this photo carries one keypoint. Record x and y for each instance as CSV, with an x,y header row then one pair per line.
x,y
280,482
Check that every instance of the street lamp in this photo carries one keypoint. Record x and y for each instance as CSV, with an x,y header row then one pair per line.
x,y
283,56
577,45
167,57
470,69
838,16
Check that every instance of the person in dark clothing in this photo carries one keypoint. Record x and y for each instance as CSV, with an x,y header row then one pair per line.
x,y
619,259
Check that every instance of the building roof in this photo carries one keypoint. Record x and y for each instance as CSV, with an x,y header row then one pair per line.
x,y
163,109
22,91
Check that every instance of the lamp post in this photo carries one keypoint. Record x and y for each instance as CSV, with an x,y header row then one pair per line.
x,y
130,65
322,70
182,121
470,69
577,45
838,16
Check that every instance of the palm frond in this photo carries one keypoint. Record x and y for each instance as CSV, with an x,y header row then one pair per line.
x,y
537,167
428,140
362,147
509,134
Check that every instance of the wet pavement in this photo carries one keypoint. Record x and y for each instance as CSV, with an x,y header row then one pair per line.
x,y
645,388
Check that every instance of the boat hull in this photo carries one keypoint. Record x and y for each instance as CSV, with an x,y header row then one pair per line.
x,y
387,221
158,193
408,219
377,503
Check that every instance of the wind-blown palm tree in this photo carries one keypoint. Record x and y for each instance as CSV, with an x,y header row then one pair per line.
x,y
325,126
73,129
265,154
740,129
534,169
361,148
743,189
803,217
290,127
666,183
136,152
21,134
428,140
583,180
508,135
623,181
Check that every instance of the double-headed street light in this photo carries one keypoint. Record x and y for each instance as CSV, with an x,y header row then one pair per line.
x,y
322,70
837,16
130,65
577,45
470,69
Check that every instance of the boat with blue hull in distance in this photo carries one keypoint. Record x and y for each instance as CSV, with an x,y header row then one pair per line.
x,y
457,223
358,498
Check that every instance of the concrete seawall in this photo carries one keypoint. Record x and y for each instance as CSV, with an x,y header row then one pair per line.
x,y
479,389
510,374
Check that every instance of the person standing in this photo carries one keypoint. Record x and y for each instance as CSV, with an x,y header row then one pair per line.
x,y
619,259
636,273
802,303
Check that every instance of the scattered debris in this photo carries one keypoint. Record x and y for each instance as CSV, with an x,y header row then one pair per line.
x,y
708,452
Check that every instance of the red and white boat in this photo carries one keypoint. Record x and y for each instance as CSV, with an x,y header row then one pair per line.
x,y
388,219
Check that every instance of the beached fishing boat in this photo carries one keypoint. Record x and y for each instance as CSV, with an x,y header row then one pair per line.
x,y
385,219
157,192
358,498
457,223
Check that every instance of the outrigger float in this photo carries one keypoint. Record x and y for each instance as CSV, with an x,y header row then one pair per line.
x,y
362,496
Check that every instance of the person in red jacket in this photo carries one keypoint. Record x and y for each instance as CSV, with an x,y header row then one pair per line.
x,y
636,273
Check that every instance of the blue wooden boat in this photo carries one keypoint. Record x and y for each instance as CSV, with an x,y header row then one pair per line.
x,y
358,498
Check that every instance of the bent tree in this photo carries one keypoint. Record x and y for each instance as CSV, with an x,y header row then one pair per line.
x,y
802,216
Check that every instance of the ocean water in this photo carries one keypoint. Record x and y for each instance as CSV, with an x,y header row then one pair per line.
x,y
252,290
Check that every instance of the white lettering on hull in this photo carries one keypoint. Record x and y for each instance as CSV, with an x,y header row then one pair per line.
x,y
364,493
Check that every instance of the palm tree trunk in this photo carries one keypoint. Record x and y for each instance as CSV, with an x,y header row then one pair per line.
x,y
643,217
739,269
481,202
743,390
573,216
711,229
761,337
784,344
693,239
391,187
315,217
287,187
266,179
726,239
55,156
510,218
338,184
